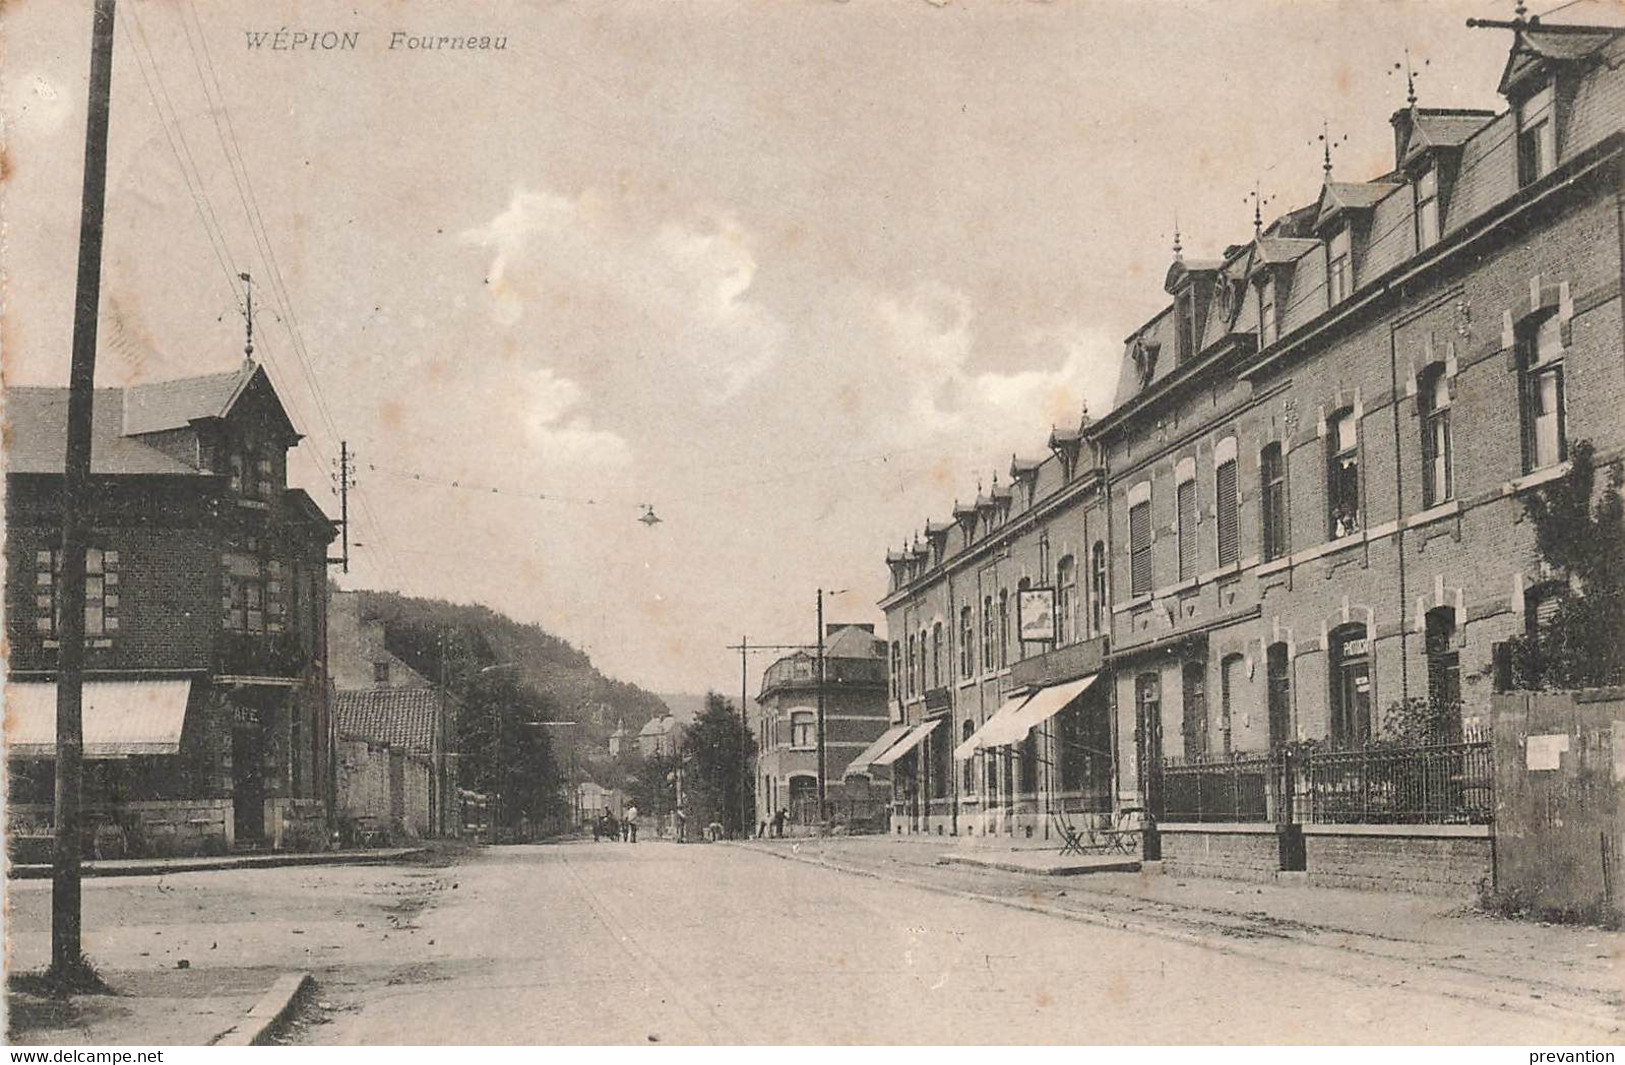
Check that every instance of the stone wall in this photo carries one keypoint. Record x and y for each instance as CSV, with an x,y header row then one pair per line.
x,y
1238,852
1452,860
155,829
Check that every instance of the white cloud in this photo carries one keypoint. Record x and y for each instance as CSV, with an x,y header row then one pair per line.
x,y
683,287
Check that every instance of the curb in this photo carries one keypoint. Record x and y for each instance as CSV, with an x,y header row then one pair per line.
x,y
1604,1020
205,865
271,1008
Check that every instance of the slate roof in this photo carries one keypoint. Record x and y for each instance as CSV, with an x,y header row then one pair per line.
x,y
160,405
401,717
37,436
1443,129
854,642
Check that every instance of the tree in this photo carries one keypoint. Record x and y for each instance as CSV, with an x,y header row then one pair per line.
x,y
1580,534
503,753
718,752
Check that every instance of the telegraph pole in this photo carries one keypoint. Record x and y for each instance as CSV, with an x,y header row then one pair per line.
x,y
745,648
67,957
346,481
744,737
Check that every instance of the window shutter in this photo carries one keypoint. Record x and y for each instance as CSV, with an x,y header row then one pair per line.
x,y
1139,522
1187,530
1224,482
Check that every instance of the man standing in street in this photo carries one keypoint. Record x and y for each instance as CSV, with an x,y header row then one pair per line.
x,y
630,823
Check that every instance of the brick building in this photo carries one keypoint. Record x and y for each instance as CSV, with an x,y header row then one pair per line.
x,y
784,720
206,689
1307,496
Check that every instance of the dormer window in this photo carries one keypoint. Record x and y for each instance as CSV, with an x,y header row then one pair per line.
x,y
1427,209
1339,268
1537,136
1269,321
251,473
1185,315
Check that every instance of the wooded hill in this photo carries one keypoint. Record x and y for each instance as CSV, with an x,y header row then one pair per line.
x,y
475,636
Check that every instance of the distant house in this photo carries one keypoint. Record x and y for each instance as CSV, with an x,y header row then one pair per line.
x,y
661,735
785,721
205,701
396,734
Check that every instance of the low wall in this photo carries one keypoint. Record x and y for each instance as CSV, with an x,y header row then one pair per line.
x,y
1452,860
296,824
1236,852
150,829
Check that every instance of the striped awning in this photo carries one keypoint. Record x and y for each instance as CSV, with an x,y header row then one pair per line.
x,y
992,726
915,737
860,764
121,717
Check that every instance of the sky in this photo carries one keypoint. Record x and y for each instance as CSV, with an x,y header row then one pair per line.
x,y
795,274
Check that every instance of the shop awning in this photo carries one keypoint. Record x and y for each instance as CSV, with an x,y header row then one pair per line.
x,y
121,717
861,763
1045,704
1001,717
915,737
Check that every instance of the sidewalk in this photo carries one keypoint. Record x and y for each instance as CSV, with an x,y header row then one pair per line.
x,y
161,866
1445,943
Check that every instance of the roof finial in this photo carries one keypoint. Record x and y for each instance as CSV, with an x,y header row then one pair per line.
x,y
1520,11
248,315
1326,150
1179,249
1410,75
1258,212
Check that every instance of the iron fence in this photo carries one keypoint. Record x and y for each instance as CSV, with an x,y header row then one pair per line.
x,y
1233,789
1444,783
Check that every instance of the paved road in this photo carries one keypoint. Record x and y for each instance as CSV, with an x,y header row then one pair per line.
x,y
584,943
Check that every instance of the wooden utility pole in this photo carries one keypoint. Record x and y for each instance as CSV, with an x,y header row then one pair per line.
x,y
822,812
67,957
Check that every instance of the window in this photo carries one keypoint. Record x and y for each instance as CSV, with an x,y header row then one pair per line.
x,y
1097,589
251,473
1342,476
1545,435
1272,490
967,642
1185,316
1066,611
1339,268
802,726
1021,586
1537,137
252,594
1194,706
1230,682
1269,321
1004,628
1540,606
1279,694
1435,404
925,674
1427,210
1186,500
911,661
380,672
968,781
1139,548
1225,505
1351,686
936,654
989,640
1444,676
896,670
101,591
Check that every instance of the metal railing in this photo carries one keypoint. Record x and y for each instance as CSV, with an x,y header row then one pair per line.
x,y
1233,789
1440,783
1444,783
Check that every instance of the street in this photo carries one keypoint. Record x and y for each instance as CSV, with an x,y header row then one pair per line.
x,y
614,943
584,943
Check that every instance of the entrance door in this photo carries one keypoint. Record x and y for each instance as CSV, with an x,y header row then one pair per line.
x,y
1148,738
248,783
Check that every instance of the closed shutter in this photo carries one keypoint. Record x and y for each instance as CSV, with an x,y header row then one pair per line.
x,y
1187,530
1224,484
1139,537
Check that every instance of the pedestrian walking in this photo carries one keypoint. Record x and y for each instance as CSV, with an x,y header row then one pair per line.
x,y
681,825
761,828
630,823
778,822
